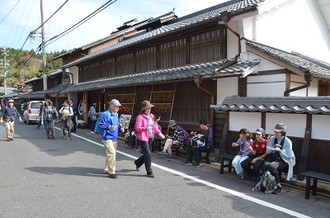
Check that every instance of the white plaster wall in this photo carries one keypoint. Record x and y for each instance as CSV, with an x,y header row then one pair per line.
x,y
232,40
293,25
321,127
296,123
74,71
226,87
296,80
266,85
239,120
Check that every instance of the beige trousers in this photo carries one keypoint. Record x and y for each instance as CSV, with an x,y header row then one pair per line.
x,y
110,156
9,129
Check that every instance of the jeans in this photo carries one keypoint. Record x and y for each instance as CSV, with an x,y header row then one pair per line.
x,y
238,159
146,157
93,122
195,151
246,165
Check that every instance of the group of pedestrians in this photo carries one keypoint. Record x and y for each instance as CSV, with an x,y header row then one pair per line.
x,y
274,155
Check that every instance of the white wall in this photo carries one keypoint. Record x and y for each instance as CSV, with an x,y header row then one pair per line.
x,y
321,127
266,85
239,120
232,40
293,25
296,123
226,87
296,81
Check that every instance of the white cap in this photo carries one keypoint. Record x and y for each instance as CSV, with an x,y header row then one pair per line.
x,y
115,102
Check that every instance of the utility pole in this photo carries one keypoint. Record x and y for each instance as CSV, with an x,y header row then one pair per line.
x,y
43,46
5,54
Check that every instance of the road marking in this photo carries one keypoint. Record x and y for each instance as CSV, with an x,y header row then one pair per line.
x,y
195,179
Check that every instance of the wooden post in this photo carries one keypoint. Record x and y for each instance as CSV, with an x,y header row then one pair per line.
x,y
224,138
85,115
305,147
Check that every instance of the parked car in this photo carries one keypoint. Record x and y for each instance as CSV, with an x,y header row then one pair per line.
x,y
31,112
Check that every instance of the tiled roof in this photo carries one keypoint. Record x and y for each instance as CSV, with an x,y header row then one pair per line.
x,y
231,7
170,74
311,105
317,69
32,95
57,89
52,73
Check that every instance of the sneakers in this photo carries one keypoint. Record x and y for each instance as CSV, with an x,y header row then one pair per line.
x,y
170,157
162,153
278,190
113,176
199,165
188,163
151,175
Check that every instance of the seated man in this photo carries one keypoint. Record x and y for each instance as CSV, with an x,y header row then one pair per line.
x,y
197,145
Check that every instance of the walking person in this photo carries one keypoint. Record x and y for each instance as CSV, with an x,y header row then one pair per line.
x,y
145,130
40,123
49,114
8,115
66,113
74,116
92,114
110,124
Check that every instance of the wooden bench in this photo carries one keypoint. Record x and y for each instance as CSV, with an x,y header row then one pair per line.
x,y
226,157
316,176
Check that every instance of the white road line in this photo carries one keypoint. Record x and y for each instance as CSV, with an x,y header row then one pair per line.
x,y
221,188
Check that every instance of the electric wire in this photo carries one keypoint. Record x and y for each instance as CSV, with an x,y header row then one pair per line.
x,y
5,17
50,17
57,37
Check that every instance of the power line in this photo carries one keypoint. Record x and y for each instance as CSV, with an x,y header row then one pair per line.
x,y
49,17
57,37
5,17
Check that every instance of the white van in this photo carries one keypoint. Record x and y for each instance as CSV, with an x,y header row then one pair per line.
x,y
31,112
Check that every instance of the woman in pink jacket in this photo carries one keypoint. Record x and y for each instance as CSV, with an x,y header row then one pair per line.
x,y
145,130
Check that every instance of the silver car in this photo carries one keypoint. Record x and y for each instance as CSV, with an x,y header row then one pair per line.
x,y
32,111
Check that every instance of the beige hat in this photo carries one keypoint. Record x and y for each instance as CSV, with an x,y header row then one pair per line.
x,y
145,105
11,101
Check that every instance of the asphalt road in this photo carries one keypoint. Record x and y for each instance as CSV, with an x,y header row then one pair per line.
x,y
63,178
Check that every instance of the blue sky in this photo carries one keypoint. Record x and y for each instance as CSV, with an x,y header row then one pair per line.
x,y
25,17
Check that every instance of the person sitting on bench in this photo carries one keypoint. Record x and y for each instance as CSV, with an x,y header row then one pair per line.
x,y
177,139
280,156
201,141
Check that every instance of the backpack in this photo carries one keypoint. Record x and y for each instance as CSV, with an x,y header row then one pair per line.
x,y
90,113
267,183
98,129
186,135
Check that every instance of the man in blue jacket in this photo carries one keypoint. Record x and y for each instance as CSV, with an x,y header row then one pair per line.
x,y
8,115
111,126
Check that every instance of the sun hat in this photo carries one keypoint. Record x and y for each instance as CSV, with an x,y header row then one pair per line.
x,y
145,105
280,127
172,123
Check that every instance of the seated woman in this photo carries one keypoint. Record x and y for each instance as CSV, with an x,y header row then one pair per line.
x,y
201,141
255,161
280,155
177,139
244,143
